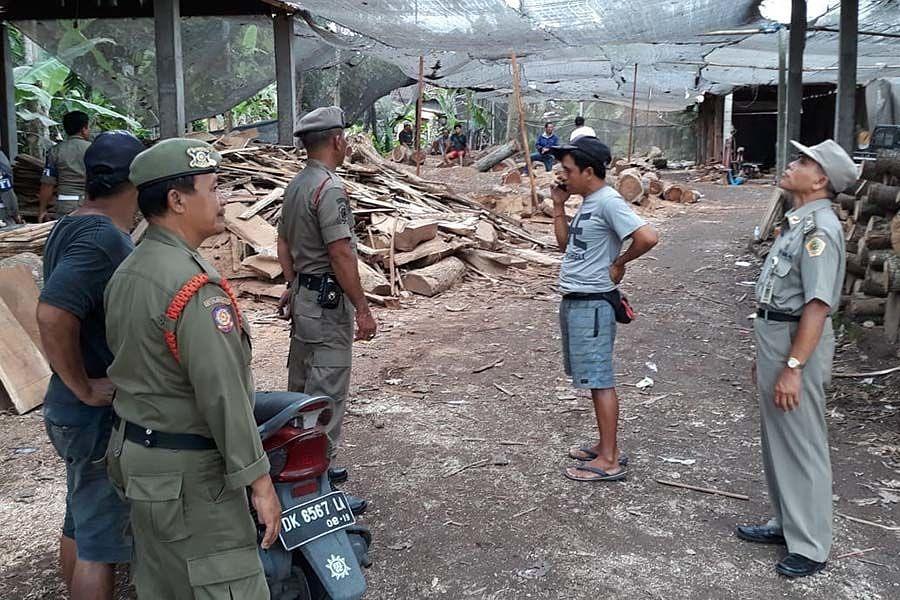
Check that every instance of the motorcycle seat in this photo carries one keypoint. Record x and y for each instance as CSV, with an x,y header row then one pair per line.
x,y
274,409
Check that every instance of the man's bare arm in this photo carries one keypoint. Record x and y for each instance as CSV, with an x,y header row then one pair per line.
x,y
60,335
346,270
45,194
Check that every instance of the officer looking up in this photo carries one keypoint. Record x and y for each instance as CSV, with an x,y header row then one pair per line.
x,y
185,445
64,168
317,251
798,290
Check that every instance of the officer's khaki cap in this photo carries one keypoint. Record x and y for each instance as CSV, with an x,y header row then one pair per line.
x,y
837,164
321,119
172,158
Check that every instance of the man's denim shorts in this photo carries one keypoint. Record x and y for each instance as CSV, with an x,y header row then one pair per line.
x,y
96,517
588,330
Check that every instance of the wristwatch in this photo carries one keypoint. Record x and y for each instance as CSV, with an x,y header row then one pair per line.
x,y
793,363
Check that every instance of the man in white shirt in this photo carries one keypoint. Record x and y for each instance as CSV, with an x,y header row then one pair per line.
x,y
581,130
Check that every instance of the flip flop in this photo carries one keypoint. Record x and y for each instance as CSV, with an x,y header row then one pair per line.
x,y
591,455
602,475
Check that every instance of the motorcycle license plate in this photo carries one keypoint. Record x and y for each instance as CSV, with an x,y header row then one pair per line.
x,y
311,520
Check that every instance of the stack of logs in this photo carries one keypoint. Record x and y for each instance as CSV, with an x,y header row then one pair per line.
x,y
638,182
872,234
27,172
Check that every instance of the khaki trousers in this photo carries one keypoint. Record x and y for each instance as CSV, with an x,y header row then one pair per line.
x,y
795,443
321,354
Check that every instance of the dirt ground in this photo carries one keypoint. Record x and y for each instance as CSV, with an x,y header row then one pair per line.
x,y
514,528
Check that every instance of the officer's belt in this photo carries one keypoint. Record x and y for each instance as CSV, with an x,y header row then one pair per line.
x,y
69,198
771,315
160,439
310,282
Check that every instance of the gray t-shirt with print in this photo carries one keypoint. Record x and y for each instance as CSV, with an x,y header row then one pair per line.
x,y
596,233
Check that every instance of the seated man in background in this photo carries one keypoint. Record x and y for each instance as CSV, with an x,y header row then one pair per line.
x,y
545,141
406,136
458,143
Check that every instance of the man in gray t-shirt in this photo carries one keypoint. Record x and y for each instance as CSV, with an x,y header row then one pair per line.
x,y
591,271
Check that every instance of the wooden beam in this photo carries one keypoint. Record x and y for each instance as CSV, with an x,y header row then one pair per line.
x,y
633,99
795,72
7,96
520,107
169,69
845,106
418,141
285,78
781,133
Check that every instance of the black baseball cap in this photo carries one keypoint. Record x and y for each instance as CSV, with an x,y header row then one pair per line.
x,y
586,145
110,156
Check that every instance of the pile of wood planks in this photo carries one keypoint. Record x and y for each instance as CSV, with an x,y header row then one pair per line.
x,y
24,370
28,238
872,235
27,172
413,235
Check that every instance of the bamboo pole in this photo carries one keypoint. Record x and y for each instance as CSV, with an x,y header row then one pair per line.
x,y
521,109
633,99
418,144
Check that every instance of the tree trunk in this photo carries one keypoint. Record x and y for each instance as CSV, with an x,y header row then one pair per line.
x,y
892,273
854,265
860,307
883,165
846,201
631,185
885,196
434,279
400,154
866,209
895,233
878,234
501,153
875,283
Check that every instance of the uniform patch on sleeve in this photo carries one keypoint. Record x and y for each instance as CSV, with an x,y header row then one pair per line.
x,y
216,300
815,246
343,213
223,318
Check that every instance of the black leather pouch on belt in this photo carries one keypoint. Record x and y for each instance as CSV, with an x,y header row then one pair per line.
x,y
330,292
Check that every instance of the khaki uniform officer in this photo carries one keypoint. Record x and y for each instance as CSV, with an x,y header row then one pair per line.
x,y
317,251
799,288
64,168
185,446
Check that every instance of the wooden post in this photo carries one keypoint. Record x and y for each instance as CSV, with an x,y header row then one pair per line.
x,y
418,142
845,107
521,110
633,99
285,78
781,133
795,72
8,140
169,71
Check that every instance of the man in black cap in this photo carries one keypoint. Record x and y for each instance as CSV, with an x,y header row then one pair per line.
x,y
591,271
83,250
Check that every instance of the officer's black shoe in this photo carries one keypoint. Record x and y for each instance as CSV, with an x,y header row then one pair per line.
x,y
761,534
357,505
338,475
794,565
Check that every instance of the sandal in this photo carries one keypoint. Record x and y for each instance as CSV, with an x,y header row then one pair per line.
x,y
601,475
588,454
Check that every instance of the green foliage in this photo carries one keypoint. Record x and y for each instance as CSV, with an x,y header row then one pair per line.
x,y
261,107
54,89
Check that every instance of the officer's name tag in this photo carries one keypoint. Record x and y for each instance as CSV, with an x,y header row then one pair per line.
x,y
5,184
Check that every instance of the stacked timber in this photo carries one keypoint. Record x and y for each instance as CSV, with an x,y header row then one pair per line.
x,y
27,172
872,236
28,238
414,235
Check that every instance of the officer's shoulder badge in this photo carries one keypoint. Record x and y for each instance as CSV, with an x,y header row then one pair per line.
x,y
223,318
815,246
201,158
